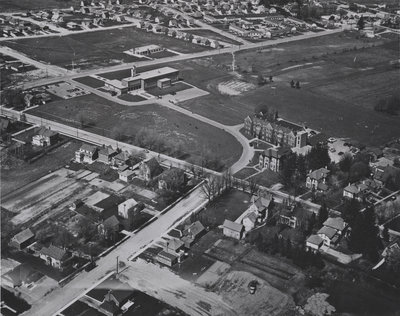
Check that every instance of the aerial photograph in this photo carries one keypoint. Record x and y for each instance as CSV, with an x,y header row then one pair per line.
x,y
200,157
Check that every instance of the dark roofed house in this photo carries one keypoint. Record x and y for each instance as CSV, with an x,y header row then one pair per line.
x,y
109,226
121,158
44,137
21,275
87,153
149,169
272,158
55,256
22,239
106,154
192,233
172,179
316,178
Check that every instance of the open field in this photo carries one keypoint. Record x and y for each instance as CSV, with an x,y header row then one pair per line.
x,y
333,86
24,173
228,206
96,49
22,5
110,119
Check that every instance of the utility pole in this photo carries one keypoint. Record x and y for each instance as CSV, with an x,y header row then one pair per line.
x,y
117,263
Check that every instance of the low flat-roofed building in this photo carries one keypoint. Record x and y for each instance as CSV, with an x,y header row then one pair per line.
x,y
147,49
149,79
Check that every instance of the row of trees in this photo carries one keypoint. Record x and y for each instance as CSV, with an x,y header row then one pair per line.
x,y
295,167
389,105
284,247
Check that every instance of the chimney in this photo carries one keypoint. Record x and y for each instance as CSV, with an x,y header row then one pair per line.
x,y
133,71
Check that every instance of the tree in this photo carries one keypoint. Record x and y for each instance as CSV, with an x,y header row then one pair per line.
x,y
12,97
297,84
364,234
345,162
318,157
292,84
209,188
361,23
350,210
253,186
288,169
358,171
322,215
260,80
86,229
385,234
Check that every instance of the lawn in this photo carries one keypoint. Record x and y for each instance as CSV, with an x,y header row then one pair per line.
x,y
131,97
23,5
91,82
179,86
110,119
18,175
336,94
228,206
266,178
96,49
244,173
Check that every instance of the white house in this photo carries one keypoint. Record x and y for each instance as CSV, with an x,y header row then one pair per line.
x,y
124,207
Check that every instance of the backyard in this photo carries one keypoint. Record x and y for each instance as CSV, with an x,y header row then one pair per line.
x,y
96,49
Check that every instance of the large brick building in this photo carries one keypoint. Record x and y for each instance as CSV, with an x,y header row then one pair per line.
x,y
276,131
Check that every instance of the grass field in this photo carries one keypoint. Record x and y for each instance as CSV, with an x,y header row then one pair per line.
x,y
131,97
91,82
14,178
22,5
229,206
96,49
337,95
107,118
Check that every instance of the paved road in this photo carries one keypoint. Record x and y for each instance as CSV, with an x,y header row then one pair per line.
x,y
57,299
207,53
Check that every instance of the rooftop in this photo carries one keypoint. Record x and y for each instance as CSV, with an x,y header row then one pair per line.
x,y
335,222
54,252
327,231
153,73
23,236
232,226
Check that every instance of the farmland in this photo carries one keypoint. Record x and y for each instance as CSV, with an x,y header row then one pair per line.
x,y
12,5
324,67
111,119
96,49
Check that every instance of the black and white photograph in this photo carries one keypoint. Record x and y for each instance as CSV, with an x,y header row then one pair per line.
x,y
200,157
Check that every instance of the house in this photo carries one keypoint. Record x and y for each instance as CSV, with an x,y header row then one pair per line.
x,y
22,275
121,158
261,206
172,179
272,158
355,191
332,231
86,154
232,229
109,227
329,235
249,221
192,233
127,175
314,242
45,137
111,297
149,169
55,257
336,223
126,207
316,179
275,130
172,252
22,239
106,153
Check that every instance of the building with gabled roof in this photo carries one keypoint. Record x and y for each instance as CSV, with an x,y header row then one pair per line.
x,y
149,169
316,178
232,229
45,137
22,239
272,158
55,256
314,243
106,154
21,275
86,154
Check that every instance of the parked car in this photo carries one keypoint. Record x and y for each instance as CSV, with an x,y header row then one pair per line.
x,y
332,150
90,266
252,286
340,153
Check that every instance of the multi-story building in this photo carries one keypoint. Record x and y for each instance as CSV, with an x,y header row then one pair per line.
x,y
272,158
275,131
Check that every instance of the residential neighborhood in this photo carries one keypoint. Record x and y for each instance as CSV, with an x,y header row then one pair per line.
x,y
199,157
